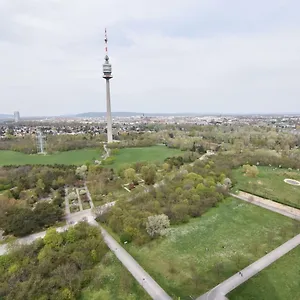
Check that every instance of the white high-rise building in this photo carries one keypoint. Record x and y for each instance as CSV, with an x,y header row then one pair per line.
x,y
17,116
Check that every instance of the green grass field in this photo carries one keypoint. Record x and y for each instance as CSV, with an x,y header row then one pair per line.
x,y
149,154
74,157
197,256
113,282
269,184
280,281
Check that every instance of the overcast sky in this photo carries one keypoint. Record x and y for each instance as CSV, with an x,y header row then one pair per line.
x,y
204,56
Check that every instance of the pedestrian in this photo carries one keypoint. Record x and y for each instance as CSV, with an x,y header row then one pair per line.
x,y
240,273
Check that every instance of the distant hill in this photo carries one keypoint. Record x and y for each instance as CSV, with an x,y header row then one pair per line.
x,y
6,116
129,114
103,114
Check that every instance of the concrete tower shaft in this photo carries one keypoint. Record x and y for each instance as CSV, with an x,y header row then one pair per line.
x,y
107,70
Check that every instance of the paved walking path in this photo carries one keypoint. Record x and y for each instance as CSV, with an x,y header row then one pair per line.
x,y
233,282
79,200
67,204
269,204
89,196
143,278
28,239
107,152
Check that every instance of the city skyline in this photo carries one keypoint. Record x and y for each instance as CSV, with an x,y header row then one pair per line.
x,y
184,57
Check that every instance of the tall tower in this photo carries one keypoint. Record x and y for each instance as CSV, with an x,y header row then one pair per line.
x,y
107,76
16,116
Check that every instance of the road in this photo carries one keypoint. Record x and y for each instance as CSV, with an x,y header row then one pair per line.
x,y
143,278
221,290
271,205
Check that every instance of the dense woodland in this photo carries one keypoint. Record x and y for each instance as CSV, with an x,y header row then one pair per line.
x,y
55,268
184,193
33,198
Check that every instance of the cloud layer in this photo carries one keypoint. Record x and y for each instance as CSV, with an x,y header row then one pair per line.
x,y
167,56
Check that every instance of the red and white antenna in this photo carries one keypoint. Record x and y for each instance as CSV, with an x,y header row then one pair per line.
x,y
105,40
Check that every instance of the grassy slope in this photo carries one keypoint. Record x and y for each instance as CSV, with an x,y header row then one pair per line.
x,y
76,157
113,282
235,234
149,154
280,281
269,184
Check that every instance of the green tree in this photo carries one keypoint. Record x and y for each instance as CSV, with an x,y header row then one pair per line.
x,y
53,239
40,187
130,174
148,174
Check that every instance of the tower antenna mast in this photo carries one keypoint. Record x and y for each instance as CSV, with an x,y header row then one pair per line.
x,y
107,76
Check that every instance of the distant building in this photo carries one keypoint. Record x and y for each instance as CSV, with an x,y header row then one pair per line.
x,y
17,116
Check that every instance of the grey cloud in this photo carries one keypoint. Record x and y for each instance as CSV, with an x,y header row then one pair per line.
x,y
51,55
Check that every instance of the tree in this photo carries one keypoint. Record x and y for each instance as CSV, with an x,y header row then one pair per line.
x,y
53,239
250,171
228,183
81,171
129,174
47,214
157,225
148,174
40,187
19,221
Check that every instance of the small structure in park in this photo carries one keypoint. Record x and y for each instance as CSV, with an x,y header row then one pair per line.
x,y
292,181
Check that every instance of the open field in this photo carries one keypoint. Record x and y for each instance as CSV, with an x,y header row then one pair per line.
x,y
280,281
74,157
269,184
195,257
113,282
149,154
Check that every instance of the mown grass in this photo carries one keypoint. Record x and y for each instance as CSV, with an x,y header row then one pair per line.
x,y
149,154
74,157
270,184
280,281
195,257
113,282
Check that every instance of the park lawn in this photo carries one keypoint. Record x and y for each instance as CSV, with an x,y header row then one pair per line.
x,y
113,282
73,157
270,184
195,257
149,154
280,281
